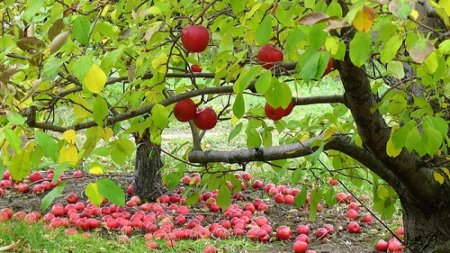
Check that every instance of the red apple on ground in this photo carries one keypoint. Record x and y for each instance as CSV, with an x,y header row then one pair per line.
x,y
77,174
289,199
353,228
195,38
303,229
400,232
333,181
72,198
283,233
321,233
395,245
35,176
205,119
257,184
352,214
23,188
185,110
366,218
381,245
268,55
38,189
246,176
300,247
210,249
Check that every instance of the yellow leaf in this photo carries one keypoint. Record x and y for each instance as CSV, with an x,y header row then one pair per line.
x,y
95,79
329,132
69,154
79,107
364,19
332,45
446,171
391,150
70,136
159,63
438,177
414,14
96,170
107,133
445,4
105,10
234,120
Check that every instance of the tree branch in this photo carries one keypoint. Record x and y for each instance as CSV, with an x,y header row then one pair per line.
x,y
171,100
339,143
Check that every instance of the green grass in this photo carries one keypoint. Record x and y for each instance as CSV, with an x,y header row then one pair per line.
x,y
33,238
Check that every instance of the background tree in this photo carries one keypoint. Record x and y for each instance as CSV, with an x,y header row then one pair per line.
x,y
111,69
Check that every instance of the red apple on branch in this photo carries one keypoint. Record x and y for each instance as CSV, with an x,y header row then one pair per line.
x,y
268,55
205,119
185,110
195,38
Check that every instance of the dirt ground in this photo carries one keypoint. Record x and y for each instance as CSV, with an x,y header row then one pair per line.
x,y
278,214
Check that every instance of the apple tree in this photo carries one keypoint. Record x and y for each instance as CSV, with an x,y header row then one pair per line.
x,y
108,70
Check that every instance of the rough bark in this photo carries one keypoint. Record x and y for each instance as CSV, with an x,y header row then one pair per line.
x,y
148,182
427,227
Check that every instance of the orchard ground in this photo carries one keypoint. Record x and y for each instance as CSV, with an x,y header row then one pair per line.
x,y
37,237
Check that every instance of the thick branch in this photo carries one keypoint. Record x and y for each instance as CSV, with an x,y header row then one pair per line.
x,y
294,150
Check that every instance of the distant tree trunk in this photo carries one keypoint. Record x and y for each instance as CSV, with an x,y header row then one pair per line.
x,y
148,182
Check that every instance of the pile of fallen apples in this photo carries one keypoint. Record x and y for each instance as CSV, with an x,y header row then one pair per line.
x,y
169,219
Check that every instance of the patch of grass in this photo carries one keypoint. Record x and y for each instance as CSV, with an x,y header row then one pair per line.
x,y
34,238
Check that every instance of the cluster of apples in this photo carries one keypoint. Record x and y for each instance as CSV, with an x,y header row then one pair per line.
x,y
41,182
170,220
186,110
393,244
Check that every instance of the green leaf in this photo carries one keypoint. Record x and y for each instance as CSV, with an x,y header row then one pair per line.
x,y
396,69
193,198
160,116
48,199
360,48
239,106
309,69
100,110
437,123
246,76
316,196
399,136
296,176
20,165
80,29
15,118
397,104
224,197
235,131
444,47
390,48
59,171
172,180
111,190
264,31
14,141
93,194
432,140
48,144
237,6
33,7
330,196
121,149
264,82
382,192
111,59
81,66
412,139
294,37
253,138
300,198
317,35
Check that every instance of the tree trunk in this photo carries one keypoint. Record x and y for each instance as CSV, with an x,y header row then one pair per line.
x,y
148,182
427,227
